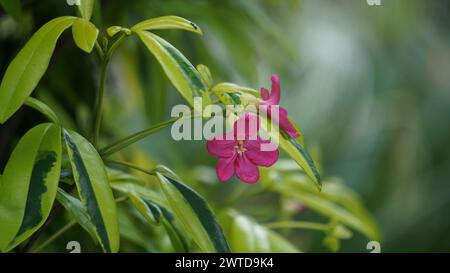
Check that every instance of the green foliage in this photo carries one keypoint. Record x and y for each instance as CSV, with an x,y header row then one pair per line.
x,y
28,67
247,236
86,8
93,187
78,211
167,22
43,108
151,205
49,161
178,69
296,151
29,184
335,202
193,212
84,34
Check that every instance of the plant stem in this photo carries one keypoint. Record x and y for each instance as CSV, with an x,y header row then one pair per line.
x,y
131,166
105,56
114,45
304,225
98,109
99,50
55,236
123,143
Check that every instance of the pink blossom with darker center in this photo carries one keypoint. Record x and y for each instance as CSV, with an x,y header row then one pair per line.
x,y
273,99
240,151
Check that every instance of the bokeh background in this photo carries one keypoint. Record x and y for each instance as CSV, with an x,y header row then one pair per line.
x,y
368,85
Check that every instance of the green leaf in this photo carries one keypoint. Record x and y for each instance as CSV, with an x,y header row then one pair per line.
x,y
157,214
149,210
193,212
84,34
94,190
25,71
12,7
179,70
205,73
127,187
226,87
247,236
336,233
43,108
167,22
300,137
113,30
297,152
78,212
115,175
336,191
294,149
86,8
298,187
177,238
153,208
29,184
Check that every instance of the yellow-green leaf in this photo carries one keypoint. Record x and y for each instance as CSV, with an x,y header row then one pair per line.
x,y
25,71
113,30
295,150
247,236
193,212
94,190
152,206
78,212
84,34
226,87
339,205
178,69
205,73
29,184
86,8
167,22
43,108
302,157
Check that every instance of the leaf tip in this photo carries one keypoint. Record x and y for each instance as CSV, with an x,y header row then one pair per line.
x,y
196,28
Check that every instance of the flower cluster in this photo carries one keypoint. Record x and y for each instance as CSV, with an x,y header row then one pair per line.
x,y
242,150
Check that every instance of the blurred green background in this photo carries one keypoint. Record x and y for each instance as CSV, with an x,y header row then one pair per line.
x,y
368,85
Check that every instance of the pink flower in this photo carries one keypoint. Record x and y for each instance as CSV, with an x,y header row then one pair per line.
x,y
273,99
241,151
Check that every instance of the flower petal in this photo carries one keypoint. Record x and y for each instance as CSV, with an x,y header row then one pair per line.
x,y
281,118
274,97
225,168
265,93
275,92
246,127
246,170
261,152
286,124
221,146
